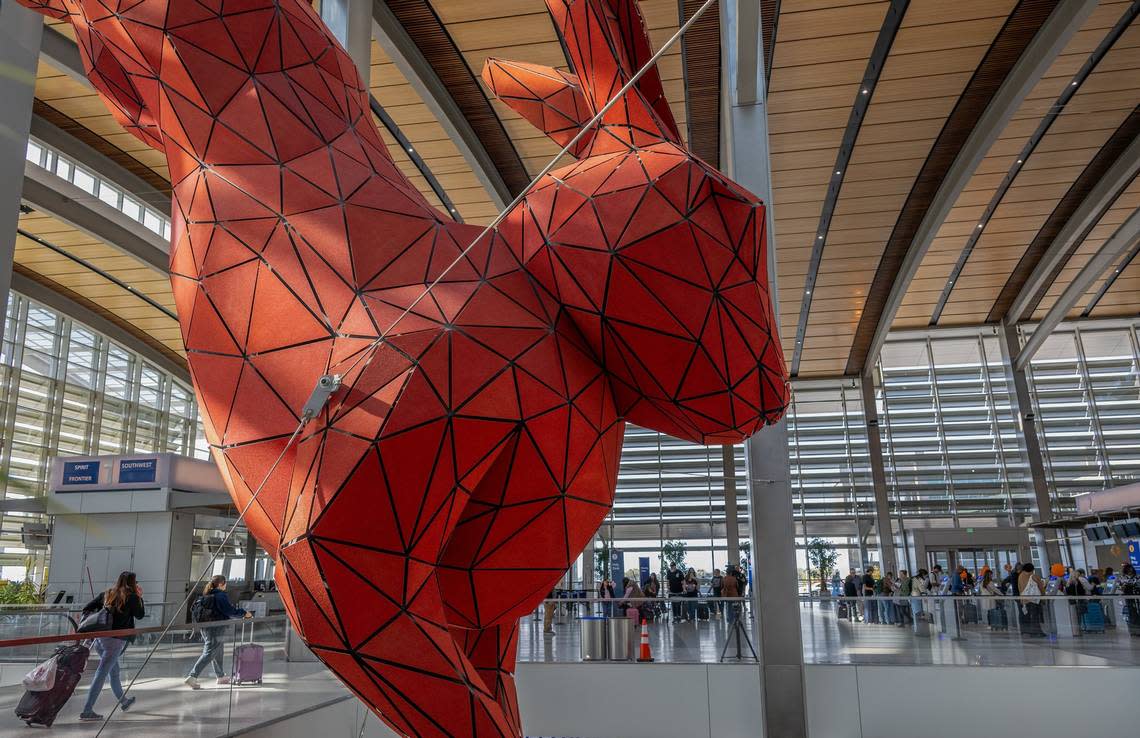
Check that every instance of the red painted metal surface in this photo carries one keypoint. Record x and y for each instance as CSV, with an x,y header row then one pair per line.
x,y
472,452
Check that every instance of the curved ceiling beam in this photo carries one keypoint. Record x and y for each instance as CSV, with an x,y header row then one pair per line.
x,y
700,62
1110,280
62,200
863,96
769,22
411,33
1102,181
1051,117
1124,239
1024,49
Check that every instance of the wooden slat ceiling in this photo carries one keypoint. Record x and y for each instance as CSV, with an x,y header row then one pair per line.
x,y
1096,111
128,310
521,30
1120,299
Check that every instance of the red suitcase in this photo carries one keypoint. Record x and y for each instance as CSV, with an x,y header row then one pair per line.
x,y
40,708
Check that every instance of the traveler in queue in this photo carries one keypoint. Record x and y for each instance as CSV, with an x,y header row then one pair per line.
x,y
731,588
210,610
919,588
717,584
124,602
1030,587
675,579
902,601
870,609
851,590
1129,585
692,590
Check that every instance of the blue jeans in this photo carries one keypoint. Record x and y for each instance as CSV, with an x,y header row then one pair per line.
x,y
109,649
213,649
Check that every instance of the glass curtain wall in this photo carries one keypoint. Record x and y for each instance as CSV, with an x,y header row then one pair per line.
x,y
69,390
1086,387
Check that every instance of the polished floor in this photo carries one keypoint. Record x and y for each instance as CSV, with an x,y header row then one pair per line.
x,y
828,640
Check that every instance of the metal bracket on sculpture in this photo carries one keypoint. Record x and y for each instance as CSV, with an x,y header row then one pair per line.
x,y
326,386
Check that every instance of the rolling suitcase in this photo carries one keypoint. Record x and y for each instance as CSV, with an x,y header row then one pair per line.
x,y
1093,619
842,612
998,618
249,660
40,708
703,611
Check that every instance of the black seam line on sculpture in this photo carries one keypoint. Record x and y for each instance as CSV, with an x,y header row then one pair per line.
x,y
399,605
892,21
417,533
1053,114
1111,280
96,270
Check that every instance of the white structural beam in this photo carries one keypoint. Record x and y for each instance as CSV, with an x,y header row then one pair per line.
x,y
1088,213
771,516
351,22
1039,55
1123,239
406,55
20,30
55,196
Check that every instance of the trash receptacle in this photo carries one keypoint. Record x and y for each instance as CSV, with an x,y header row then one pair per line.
x,y
620,632
593,640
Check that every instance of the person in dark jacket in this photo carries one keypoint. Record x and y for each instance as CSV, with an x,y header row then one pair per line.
x,y
675,581
215,608
124,602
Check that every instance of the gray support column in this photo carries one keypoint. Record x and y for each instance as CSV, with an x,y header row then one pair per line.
x,y
250,561
351,23
1022,406
771,515
883,527
20,31
731,517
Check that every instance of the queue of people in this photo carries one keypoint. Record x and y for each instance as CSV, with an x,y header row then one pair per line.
x,y
898,600
684,591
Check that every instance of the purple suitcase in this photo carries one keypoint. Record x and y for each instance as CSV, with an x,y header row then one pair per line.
x,y
249,661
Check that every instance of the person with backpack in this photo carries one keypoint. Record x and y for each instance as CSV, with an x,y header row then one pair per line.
x,y
209,611
117,609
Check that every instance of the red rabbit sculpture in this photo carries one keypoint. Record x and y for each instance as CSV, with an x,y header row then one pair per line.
x,y
472,450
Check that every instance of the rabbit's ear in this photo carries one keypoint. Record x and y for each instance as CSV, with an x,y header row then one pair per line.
x,y
552,101
607,43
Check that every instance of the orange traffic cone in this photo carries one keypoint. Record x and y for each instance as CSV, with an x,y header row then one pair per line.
x,y
646,656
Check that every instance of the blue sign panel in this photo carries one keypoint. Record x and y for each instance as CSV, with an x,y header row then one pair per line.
x,y
134,471
1134,553
80,472
643,565
617,566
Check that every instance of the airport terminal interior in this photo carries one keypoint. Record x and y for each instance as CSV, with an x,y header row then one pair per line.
x,y
430,368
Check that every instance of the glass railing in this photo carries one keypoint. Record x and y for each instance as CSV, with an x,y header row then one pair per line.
x,y
275,679
936,631
99,188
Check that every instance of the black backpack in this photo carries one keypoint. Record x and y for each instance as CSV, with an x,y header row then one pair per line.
x,y
205,609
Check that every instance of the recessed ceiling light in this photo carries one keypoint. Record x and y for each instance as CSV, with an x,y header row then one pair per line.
x,y
980,225
1074,83
820,237
1019,161
839,171
865,90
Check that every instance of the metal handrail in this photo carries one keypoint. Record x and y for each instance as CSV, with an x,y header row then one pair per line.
x,y
71,637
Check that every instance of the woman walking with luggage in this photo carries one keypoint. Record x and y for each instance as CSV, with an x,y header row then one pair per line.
x,y
213,606
123,603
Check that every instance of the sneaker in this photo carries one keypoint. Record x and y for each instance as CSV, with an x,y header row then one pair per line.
x,y
88,717
224,680
193,683
126,704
